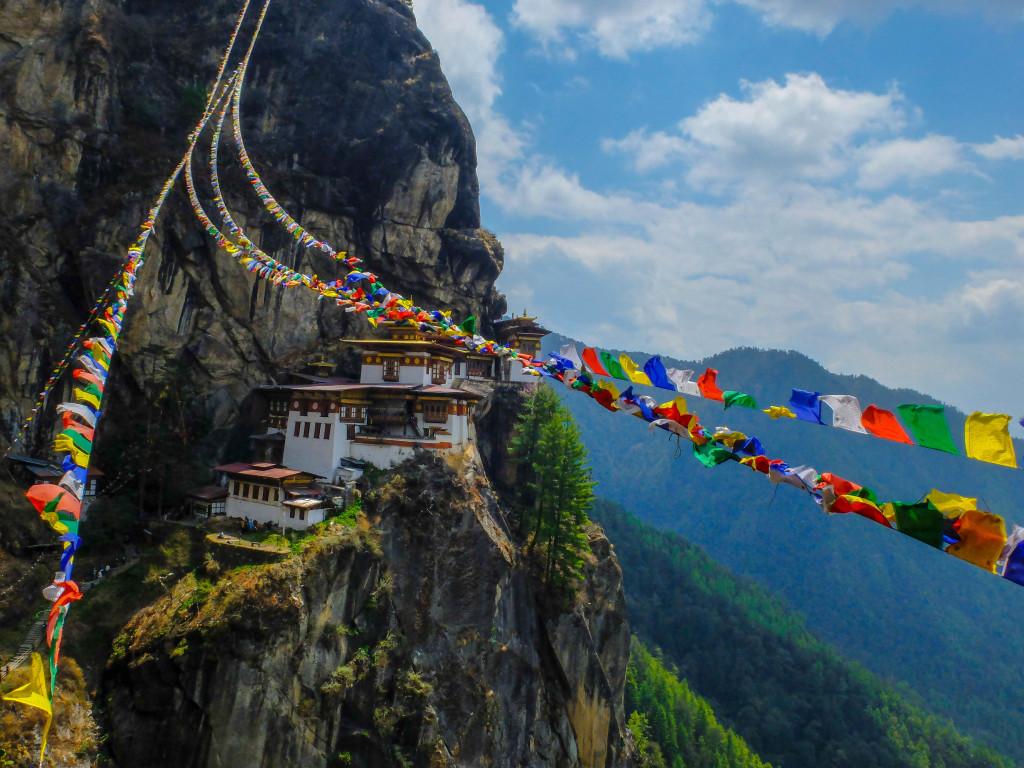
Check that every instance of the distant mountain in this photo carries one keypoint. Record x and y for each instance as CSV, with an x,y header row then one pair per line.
x,y
946,630
785,693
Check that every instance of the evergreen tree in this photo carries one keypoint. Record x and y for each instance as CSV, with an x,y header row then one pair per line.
x,y
555,487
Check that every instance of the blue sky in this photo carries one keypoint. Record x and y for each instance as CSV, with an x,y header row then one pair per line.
x,y
840,177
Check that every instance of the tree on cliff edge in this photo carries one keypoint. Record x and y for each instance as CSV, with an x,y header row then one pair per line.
x,y
555,487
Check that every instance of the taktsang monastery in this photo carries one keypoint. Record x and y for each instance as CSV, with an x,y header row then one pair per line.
x,y
416,391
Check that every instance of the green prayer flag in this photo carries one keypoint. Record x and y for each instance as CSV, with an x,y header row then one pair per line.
x,y
928,426
711,455
731,398
921,521
469,325
612,366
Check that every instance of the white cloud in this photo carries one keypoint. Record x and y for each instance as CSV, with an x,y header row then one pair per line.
x,y
615,27
469,44
801,128
1002,148
908,159
822,16
797,130
867,286
648,151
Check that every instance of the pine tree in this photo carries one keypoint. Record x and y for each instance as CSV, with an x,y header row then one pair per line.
x,y
556,488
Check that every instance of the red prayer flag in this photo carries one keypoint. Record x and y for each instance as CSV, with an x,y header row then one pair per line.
x,y
840,485
709,387
859,506
884,424
593,362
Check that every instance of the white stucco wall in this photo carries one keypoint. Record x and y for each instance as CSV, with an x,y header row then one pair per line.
x,y
270,512
260,511
311,454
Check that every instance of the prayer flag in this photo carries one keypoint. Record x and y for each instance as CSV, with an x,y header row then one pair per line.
x,y
594,362
982,538
860,506
806,405
673,410
987,438
87,398
779,412
34,694
87,415
846,412
711,456
633,371
884,424
709,386
569,352
921,521
1013,557
927,423
655,370
951,504
731,398
612,366
683,381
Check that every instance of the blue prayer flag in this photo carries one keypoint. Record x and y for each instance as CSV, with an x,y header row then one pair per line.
x,y
655,370
806,405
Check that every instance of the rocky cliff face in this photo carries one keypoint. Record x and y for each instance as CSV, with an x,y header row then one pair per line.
x,y
348,117
417,641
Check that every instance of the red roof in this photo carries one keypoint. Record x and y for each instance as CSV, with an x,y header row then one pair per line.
x,y
261,471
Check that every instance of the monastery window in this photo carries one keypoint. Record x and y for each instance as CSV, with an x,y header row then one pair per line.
x,y
298,426
391,368
477,367
291,512
305,429
438,372
302,514
266,493
235,490
327,431
435,413
304,409
316,431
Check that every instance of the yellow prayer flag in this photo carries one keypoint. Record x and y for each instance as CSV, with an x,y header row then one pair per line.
x,y
35,694
780,412
987,438
728,438
87,397
633,371
607,386
64,444
982,538
950,504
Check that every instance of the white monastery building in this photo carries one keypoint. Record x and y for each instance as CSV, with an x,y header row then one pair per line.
x,y
416,391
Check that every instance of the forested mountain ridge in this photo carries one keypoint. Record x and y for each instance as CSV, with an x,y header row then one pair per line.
x,y
788,695
673,727
905,611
